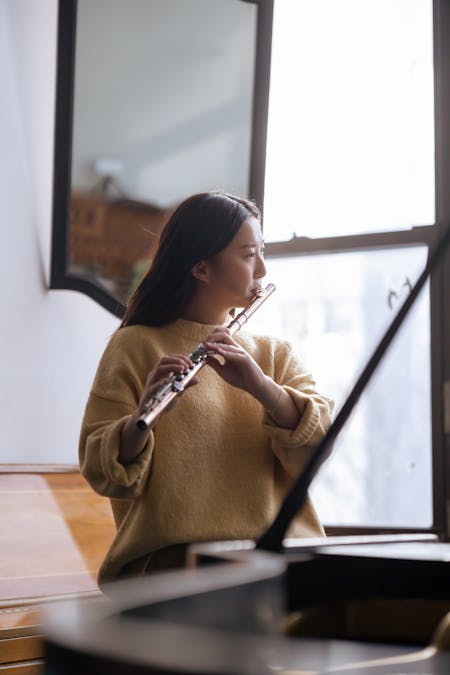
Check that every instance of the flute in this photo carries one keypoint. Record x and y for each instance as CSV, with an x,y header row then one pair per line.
x,y
177,382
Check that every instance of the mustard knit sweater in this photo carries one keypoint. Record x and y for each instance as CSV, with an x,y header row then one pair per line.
x,y
216,467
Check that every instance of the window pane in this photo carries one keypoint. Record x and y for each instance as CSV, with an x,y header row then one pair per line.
x,y
351,131
334,309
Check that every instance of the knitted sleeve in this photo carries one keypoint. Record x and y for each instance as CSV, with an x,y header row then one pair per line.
x,y
113,398
293,446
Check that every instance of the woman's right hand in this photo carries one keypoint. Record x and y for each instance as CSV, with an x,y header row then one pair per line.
x,y
132,439
159,375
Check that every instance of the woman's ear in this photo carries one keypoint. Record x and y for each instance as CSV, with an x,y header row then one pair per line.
x,y
200,271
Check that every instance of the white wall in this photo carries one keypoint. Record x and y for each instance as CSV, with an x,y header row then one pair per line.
x,y
50,340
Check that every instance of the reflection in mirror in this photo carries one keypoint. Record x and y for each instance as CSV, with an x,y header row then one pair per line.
x,y
163,105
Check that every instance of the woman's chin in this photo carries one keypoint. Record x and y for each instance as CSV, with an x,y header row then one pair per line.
x,y
241,301
245,299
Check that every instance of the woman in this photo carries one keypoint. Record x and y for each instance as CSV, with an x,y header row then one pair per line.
x,y
218,465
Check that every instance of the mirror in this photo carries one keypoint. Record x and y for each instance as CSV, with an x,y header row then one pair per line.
x,y
156,100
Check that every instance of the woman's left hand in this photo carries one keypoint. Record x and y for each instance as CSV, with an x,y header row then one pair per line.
x,y
238,368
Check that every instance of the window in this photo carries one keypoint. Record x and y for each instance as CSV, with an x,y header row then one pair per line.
x,y
351,132
349,216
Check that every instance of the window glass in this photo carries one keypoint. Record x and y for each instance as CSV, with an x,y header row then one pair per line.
x,y
334,309
351,129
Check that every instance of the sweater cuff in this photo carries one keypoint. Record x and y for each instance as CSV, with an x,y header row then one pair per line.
x,y
305,429
129,476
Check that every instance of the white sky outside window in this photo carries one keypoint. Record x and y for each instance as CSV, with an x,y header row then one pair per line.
x,y
334,309
350,130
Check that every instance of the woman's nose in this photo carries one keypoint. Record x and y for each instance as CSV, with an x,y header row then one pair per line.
x,y
260,270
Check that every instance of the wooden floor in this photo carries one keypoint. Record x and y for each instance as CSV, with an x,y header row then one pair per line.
x,y
54,532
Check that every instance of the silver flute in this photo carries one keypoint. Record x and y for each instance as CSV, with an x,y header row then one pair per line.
x,y
176,383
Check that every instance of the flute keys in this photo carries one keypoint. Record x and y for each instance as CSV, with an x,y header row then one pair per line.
x,y
153,408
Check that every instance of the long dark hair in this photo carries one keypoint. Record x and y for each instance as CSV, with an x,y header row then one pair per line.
x,y
199,228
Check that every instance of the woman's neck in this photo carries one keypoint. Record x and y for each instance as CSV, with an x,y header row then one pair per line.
x,y
210,318
205,310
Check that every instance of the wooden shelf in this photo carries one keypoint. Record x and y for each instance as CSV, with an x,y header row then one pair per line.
x,y
112,238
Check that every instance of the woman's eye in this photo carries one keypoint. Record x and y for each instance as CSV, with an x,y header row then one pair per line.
x,y
250,255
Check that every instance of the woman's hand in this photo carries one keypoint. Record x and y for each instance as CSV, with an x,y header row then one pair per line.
x,y
241,370
159,375
235,366
132,439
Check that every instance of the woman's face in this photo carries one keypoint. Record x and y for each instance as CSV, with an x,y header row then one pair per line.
x,y
236,272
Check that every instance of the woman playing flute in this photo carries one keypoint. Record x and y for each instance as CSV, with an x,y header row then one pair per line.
x,y
217,464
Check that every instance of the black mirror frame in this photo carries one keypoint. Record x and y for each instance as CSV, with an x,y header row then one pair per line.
x,y
60,278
